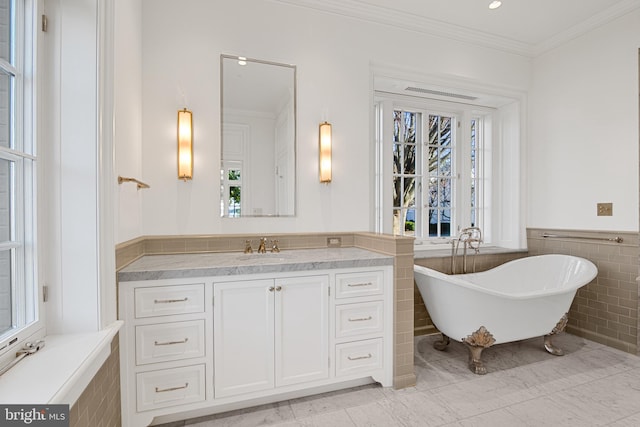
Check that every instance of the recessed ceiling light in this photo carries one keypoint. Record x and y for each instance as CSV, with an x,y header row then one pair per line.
x,y
495,4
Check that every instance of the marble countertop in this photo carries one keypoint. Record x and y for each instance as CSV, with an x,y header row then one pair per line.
x,y
153,267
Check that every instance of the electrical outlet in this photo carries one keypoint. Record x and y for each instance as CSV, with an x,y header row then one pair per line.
x,y
605,209
334,242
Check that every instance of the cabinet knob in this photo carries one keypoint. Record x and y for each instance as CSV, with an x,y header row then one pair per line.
x,y
271,288
278,288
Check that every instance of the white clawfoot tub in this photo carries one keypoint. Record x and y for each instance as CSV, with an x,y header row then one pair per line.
x,y
520,299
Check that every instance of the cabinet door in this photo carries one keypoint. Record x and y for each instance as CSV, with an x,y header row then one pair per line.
x,y
243,316
302,329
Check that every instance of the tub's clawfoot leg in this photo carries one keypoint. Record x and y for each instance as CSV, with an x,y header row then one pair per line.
x,y
475,362
442,343
477,342
548,345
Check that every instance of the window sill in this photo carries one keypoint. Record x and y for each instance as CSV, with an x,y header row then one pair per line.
x,y
444,250
60,371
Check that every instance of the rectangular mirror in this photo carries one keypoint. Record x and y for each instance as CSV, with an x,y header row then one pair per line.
x,y
258,150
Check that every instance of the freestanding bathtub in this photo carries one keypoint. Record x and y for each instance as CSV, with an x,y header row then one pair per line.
x,y
520,299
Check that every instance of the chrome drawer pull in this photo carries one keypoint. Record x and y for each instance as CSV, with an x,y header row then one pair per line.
x,y
360,319
353,285
169,301
171,342
368,356
164,390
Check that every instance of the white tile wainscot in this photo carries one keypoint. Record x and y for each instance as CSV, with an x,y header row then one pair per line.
x,y
208,333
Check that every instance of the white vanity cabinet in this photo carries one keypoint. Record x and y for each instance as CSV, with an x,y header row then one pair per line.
x,y
270,333
360,314
233,338
164,350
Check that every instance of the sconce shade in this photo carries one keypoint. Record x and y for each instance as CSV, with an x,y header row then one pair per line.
x,y
325,152
185,145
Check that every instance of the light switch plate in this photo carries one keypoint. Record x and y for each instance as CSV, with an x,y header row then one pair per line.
x,y
605,209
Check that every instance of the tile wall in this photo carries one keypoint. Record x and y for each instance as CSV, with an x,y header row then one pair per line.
x,y
400,247
606,310
99,403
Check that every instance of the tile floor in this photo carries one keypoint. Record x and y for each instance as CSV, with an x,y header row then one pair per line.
x,y
592,385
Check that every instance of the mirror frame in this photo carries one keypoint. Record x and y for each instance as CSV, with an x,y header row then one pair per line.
x,y
224,57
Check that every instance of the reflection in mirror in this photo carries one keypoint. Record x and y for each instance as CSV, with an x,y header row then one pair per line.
x,y
258,121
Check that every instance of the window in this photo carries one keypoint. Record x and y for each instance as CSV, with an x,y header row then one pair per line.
x,y
438,151
231,188
18,288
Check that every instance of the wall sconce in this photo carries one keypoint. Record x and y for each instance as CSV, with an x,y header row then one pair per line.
x,y
185,145
325,152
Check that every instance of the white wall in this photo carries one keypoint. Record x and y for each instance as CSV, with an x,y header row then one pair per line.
x,y
128,115
182,42
583,143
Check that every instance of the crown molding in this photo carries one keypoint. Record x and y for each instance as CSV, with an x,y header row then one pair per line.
x,y
362,10
616,11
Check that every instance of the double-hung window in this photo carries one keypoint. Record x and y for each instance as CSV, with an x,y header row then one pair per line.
x,y
439,153
231,188
19,309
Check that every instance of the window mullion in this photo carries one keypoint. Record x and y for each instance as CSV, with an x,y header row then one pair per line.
x,y
463,172
418,173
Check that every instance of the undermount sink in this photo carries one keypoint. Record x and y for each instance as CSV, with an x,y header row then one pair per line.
x,y
269,256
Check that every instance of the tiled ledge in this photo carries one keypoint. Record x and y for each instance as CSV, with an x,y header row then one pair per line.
x,y
420,253
582,240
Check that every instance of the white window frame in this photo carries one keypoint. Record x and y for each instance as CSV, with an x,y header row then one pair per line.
x,y
28,311
226,184
385,104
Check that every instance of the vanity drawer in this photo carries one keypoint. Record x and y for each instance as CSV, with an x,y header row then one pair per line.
x,y
359,319
359,284
167,300
169,341
170,387
358,356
